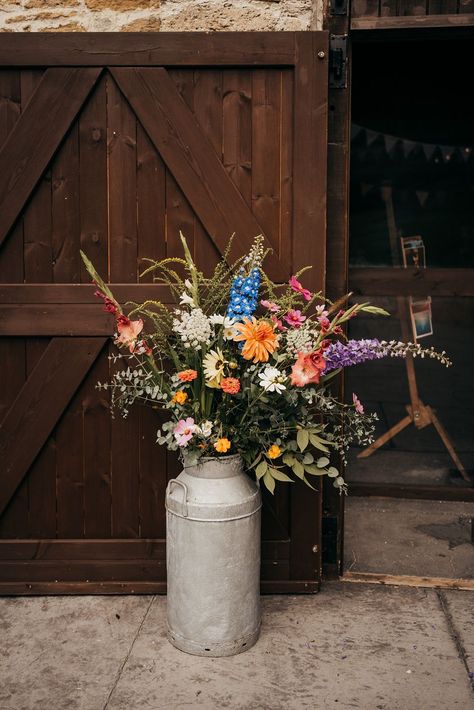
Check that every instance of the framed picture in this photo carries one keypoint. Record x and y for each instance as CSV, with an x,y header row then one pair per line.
x,y
413,252
420,314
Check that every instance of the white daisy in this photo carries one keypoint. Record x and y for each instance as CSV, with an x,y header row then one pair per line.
x,y
271,379
213,366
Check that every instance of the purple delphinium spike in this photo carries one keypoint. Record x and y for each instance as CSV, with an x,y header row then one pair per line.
x,y
353,352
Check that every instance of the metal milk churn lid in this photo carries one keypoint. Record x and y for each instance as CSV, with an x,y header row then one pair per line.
x,y
213,558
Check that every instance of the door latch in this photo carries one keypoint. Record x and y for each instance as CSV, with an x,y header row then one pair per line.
x,y
338,61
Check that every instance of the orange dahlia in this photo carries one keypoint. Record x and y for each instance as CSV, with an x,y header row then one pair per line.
x,y
230,385
259,338
187,375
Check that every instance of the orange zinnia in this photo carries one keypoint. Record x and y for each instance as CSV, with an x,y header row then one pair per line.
x,y
259,337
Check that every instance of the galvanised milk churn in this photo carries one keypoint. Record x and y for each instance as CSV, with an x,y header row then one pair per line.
x,y
213,512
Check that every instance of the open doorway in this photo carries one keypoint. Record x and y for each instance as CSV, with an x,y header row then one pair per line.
x,y
412,204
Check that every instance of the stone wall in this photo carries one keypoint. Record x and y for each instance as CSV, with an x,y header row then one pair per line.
x,y
163,15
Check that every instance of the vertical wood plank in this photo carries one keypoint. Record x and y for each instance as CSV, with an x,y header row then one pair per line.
x,y
465,7
93,181
388,8
65,210
122,149
11,258
179,214
66,242
365,8
266,97
208,111
14,522
153,478
38,259
151,203
123,250
97,446
92,404
237,129
412,7
286,167
309,239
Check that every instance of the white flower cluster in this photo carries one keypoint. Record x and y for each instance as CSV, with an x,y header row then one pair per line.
x,y
194,328
299,340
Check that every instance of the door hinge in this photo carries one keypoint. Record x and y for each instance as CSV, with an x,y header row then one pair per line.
x,y
338,61
338,7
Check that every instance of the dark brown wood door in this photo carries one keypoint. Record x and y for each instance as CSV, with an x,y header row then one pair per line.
x,y
113,144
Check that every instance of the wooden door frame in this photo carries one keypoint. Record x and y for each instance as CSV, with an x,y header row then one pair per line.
x,y
373,282
72,57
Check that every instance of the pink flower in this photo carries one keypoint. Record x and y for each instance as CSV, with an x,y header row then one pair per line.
x,y
320,311
294,318
296,286
324,322
184,431
357,403
109,305
128,330
278,323
270,306
307,368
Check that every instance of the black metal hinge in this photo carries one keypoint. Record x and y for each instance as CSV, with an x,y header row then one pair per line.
x,y
338,61
338,7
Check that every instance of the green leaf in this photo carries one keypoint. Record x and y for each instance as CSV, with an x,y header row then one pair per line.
x,y
309,484
332,472
288,459
298,469
302,437
292,445
314,470
280,476
375,310
318,443
322,462
269,482
261,469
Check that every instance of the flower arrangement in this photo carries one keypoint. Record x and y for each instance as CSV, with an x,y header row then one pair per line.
x,y
242,365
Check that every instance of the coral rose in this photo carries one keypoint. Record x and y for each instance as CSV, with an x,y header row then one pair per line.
x,y
307,368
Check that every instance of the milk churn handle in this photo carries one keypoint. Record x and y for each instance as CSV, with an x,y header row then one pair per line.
x,y
185,497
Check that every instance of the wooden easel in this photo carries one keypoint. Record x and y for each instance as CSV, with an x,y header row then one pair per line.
x,y
419,414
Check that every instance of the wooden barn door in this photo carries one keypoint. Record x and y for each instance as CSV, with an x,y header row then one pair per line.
x,y
112,144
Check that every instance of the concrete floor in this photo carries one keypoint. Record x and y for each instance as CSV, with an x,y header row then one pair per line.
x,y
409,537
351,646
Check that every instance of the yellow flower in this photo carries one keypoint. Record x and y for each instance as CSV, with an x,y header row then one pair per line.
x,y
222,445
213,365
180,397
274,452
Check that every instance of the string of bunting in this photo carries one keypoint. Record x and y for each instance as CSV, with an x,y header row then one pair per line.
x,y
408,146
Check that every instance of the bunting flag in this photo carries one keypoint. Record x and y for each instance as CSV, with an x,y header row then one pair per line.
x,y
408,146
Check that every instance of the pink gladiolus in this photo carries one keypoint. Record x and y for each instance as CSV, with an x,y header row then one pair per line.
x,y
296,286
307,368
184,431
324,322
294,318
128,330
358,405
270,306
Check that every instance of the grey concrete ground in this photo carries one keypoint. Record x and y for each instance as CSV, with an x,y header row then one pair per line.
x,y
351,646
409,537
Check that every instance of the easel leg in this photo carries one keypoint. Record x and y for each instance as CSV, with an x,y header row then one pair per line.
x,y
402,424
443,434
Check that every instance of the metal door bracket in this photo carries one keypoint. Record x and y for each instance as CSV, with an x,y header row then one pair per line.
x,y
338,61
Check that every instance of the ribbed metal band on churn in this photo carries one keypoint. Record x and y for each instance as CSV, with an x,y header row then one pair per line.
x,y
213,513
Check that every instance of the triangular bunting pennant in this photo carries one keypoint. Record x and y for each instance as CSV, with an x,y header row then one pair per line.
x,y
422,196
429,149
371,136
355,130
